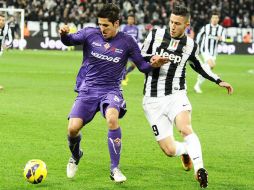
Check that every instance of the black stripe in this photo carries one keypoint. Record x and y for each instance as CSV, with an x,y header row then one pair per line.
x,y
154,83
209,40
182,79
149,51
215,41
144,89
169,78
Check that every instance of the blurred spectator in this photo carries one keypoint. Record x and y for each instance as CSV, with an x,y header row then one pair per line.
x,y
247,38
26,31
235,13
227,22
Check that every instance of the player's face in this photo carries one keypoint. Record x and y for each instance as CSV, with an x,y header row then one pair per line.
x,y
131,20
108,29
215,19
177,25
2,21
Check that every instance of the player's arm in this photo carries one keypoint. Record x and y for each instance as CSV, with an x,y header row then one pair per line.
x,y
222,38
140,62
208,74
71,39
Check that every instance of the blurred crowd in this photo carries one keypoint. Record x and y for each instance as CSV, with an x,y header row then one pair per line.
x,y
234,13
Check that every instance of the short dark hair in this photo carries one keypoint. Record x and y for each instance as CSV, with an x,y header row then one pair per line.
x,y
131,15
215,12
1,15
180,9
110,11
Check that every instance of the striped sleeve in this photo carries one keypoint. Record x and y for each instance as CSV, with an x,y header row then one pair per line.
x,y
223,35
196,66
146,50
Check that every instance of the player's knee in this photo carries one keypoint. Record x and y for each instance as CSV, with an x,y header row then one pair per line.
x,y
169,150
112,122
73,129
187,130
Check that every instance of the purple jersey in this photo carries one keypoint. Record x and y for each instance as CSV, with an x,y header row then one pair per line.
x,y
104,60
132,30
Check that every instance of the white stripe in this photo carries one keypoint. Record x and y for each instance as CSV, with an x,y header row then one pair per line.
x,y
176,80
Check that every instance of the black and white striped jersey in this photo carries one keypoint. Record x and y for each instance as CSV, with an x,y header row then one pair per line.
x,y
207,38
170,77
5,36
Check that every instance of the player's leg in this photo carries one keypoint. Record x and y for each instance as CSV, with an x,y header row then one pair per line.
x,y
162,126
82,112
74,138
193,146
112,108
207,66
114,144
130,68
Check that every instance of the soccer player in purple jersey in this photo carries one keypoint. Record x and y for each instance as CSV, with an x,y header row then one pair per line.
x,y
105,55
132,30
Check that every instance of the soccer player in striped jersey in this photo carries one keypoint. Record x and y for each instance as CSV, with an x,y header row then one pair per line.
x,y
105,55
5,36
208,38
165,101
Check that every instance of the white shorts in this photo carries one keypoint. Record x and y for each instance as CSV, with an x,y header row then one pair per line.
x,y
207,56
161,112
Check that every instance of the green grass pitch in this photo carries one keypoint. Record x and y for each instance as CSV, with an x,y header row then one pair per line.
x,y
38,95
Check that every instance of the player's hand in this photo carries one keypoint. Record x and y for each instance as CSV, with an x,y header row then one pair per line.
x,y
65,29
219,38
227,86
157,61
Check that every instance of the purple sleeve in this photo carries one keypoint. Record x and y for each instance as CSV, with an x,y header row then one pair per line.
x,y
136,57
74,39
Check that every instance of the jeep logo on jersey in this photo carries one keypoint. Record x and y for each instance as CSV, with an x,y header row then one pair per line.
x,y
170,56
105,57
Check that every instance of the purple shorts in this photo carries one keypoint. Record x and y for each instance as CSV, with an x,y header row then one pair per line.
x,y
88,103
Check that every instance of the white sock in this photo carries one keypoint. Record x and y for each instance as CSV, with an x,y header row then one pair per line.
x,y
194,150
180,148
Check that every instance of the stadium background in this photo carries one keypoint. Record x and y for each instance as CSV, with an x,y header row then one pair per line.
x,y
38,94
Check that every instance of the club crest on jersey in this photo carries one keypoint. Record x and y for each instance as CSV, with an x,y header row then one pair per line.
x,y
173,44
106,45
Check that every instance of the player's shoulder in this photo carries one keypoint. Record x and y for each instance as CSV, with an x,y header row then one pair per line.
x,y
191,43
124,36
92,30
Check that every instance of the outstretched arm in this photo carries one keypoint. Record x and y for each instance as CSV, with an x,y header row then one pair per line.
x,y
71,39
140,62
208,74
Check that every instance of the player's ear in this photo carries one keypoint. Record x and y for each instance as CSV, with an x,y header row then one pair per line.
x,y
116,23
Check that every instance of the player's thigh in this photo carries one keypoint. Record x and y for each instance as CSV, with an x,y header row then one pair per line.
x,y
160,124
113,99
178,102
84,108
